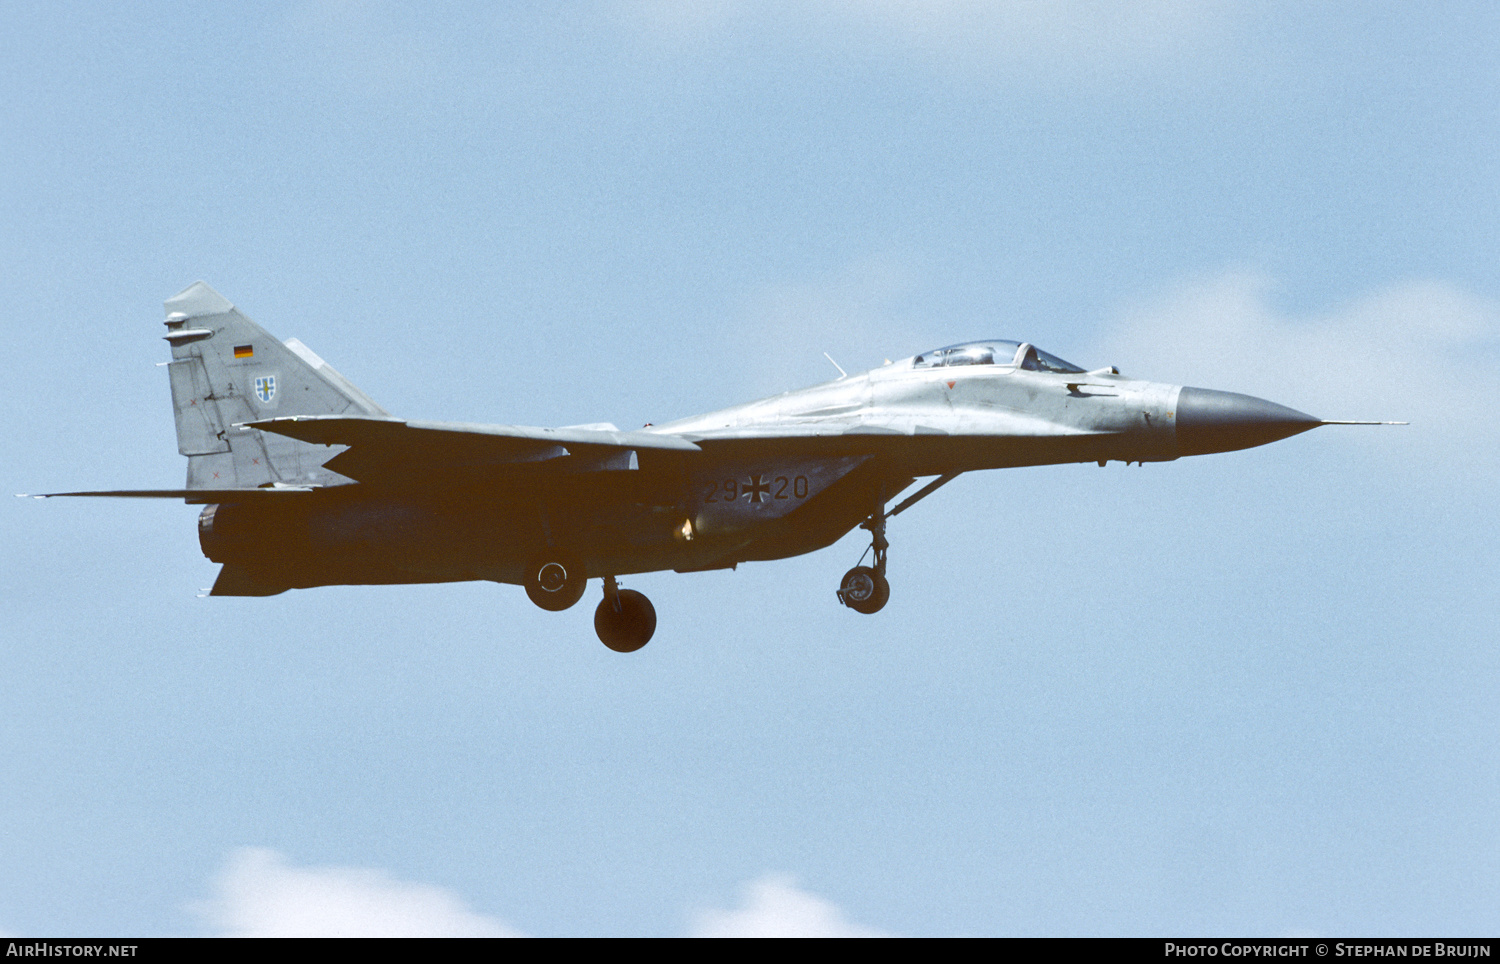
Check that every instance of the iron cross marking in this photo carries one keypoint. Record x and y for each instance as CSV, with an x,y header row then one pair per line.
x,y
756,488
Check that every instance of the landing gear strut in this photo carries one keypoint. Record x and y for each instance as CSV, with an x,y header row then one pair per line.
x,y
864,589
625,619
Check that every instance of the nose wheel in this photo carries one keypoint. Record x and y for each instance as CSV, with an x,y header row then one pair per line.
x,y
865,589
625,619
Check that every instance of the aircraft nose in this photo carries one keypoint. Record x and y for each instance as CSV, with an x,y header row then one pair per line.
x,y
1212,421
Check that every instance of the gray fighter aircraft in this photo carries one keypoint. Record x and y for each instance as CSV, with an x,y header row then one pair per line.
x,y
306,481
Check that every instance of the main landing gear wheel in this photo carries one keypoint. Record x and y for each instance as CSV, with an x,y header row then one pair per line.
x,y
864,590
556,581
625,619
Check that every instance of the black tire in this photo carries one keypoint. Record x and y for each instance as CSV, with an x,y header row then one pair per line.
x,y
629,629
556,581
864,590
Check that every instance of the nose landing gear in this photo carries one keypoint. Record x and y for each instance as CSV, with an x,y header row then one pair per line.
x,y
625,619
865,589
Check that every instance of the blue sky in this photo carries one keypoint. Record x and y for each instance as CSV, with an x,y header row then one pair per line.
x,y
1248,693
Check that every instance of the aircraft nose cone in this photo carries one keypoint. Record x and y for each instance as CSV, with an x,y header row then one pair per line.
x,y
1210,421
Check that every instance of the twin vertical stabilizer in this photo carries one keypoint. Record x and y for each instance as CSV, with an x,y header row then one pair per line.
x,y
225,371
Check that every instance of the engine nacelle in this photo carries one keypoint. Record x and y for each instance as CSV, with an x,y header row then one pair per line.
x,y
237,532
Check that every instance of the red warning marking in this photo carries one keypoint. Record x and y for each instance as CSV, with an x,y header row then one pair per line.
x,y
255,461
950,384
216,475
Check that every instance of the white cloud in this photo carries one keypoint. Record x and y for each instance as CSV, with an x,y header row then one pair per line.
x,y
774,906
1422,351
258,894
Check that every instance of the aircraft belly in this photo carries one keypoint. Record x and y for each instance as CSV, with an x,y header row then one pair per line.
x,y
340,540
344,539
734,496
968,453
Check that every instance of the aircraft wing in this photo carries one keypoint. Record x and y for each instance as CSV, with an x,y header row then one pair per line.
x,y
392,449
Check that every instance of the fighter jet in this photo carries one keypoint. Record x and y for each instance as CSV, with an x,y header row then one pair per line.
x,y
306,481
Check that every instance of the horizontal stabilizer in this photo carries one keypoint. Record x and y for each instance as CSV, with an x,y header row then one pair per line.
x,y
237,580
191,495
389,448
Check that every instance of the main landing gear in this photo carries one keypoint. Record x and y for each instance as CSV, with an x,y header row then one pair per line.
x,y
556,582
625,619
865,589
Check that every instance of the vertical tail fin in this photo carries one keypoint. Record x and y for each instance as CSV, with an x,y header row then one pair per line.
x,y
226,370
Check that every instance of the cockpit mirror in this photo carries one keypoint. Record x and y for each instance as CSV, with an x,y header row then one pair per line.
x,y
1033,359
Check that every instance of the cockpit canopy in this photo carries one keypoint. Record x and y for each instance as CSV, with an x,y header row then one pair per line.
x,y
995,352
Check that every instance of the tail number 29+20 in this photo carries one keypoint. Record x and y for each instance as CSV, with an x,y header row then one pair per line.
x,y
756,488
